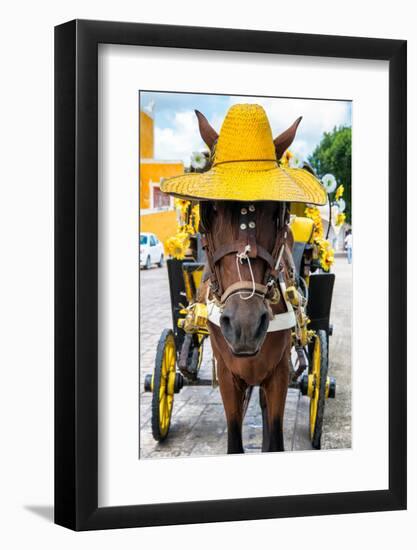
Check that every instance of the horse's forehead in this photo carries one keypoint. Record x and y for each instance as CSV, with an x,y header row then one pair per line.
x,y
228,221
261,207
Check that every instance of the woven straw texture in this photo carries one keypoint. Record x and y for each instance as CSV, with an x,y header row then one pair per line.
x,y
244,168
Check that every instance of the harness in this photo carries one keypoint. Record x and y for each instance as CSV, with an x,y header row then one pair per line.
x,y
280,321
245,248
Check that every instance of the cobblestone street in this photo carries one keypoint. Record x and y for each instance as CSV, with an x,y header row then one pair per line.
x,y
198,424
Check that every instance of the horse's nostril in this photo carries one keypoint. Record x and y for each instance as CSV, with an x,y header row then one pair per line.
x,y
263,323
225,321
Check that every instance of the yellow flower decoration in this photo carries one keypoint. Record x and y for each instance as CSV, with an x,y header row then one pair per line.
x,y
189,220
323,250
325,253
340,219
178,245
195,218
285,159
314,213
182,206
339,192
189,215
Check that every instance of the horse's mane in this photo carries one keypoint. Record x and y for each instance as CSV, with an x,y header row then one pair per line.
x,y
226,212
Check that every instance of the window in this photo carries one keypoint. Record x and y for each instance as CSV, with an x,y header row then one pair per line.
x,y
153,240
143,239
160,200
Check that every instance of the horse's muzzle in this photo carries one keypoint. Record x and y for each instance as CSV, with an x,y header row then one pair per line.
x,y
244,324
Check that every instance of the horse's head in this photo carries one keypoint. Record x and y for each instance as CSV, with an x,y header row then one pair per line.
x,y
243,240
245,311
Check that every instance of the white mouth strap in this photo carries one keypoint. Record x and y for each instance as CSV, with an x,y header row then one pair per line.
x,y
239,259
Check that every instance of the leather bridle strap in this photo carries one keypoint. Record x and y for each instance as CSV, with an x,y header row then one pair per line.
x,y
213,274
273,269
244,286
237,246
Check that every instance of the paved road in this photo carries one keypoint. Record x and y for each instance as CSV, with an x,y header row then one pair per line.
x,y
198,424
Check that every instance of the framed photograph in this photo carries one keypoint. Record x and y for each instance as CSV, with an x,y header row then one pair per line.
x,y
230,275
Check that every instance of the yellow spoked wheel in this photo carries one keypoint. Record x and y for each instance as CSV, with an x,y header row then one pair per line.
x,y
163,385
317,382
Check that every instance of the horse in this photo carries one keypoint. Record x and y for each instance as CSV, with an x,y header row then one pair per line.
x,y
248,247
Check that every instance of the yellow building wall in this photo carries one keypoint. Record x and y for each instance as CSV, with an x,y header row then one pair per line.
x,y
163,224
146,138
154,172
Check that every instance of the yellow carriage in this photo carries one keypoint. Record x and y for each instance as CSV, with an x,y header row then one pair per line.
x,y
180,349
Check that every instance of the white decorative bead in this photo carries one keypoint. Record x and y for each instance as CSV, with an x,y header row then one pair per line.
x,y
252,225
244,211
252,208
243,226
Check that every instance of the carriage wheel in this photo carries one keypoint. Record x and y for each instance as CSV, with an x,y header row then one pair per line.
x,y
317,382
163,385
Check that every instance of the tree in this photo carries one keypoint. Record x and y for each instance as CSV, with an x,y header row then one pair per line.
x,y
333,155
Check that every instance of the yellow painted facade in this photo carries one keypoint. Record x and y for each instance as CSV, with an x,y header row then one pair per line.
x,y
157,213
163,224
146,136
153,170
151,173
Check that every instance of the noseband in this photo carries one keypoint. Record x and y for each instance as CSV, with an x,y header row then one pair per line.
x,y
246,248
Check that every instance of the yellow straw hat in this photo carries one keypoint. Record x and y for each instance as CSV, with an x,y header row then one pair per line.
x,y
245,167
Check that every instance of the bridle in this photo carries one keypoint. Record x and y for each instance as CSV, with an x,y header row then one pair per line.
x,y
246,248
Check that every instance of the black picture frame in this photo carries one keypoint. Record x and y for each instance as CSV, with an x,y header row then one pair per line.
x,y
76,272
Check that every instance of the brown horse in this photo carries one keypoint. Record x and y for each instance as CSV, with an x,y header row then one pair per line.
x,y
243,282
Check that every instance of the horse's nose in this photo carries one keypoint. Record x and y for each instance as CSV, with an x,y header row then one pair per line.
x,y
244,324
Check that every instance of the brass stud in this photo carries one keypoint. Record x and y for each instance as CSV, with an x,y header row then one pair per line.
x,y
243,226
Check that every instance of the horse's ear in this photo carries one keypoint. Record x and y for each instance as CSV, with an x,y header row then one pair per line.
x,y
284,140
207,132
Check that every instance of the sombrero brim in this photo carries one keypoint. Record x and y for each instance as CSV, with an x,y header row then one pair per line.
x,y
248,181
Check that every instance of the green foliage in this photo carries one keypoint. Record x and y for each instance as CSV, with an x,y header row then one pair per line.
x,y
333,155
